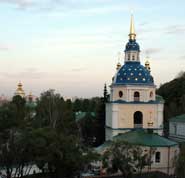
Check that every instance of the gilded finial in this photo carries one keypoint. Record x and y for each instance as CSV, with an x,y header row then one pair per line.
x,y
132,34
118,64
147,65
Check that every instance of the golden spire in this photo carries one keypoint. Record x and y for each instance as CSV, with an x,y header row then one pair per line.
x,y
132,34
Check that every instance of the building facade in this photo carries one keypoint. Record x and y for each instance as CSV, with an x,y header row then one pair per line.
x,y
177,128
134,113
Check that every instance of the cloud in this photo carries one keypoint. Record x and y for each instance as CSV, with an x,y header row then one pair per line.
x,y
143,24
30,73
5,47
19,3
63,7
80,69
175,29
182,57
150,51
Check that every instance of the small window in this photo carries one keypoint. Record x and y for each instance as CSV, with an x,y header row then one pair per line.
x,y
157,157
133,57
175,153
151,94
175,129
129,57
120,94
136,96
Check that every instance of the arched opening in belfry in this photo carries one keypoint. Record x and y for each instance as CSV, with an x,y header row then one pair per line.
x,y
138,119
136,96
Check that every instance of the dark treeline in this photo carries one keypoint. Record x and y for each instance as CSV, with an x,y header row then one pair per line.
x,y
173,93
48,136
92,124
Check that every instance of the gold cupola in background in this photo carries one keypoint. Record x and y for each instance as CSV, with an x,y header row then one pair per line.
x,y
19,91
30,97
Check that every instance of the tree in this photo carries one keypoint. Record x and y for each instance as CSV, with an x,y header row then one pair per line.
x,y
173,93
125,158
180,162
100,120
88,127
85,105
14,151
57,144
119,158
49,109
77,105
105,93
50,139
141,158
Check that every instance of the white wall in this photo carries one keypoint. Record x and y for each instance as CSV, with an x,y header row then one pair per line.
x,y
179,132
128,93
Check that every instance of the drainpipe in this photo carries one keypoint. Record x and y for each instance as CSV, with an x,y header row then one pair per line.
x,y
168,168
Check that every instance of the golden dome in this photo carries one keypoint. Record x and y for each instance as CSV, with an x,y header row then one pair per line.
x,y
19,90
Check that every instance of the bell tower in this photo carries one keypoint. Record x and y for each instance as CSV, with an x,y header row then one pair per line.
x,y
133,102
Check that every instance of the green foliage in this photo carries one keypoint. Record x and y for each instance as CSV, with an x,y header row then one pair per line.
x,y
92,129
50,139
14,150
180,162
49,110
174,94
125,158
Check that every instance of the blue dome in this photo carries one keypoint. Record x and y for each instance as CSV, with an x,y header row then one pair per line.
x,y
132,45
133,73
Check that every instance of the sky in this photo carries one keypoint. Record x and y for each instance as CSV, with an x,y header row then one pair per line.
x,y
72,46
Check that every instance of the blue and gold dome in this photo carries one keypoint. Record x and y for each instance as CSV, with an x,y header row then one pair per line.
x,y
133,73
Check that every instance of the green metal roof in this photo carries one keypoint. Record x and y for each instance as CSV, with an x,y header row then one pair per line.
x,y
31,105
141,137
159,98
180,118
104,146
80,115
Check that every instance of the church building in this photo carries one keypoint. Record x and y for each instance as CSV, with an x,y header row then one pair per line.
x,y
133,102
134,113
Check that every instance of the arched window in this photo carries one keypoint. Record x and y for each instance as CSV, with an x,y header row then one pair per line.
x,y
136,96
157,157
151,94
133,57
175,128
138,119
128,57
120,94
